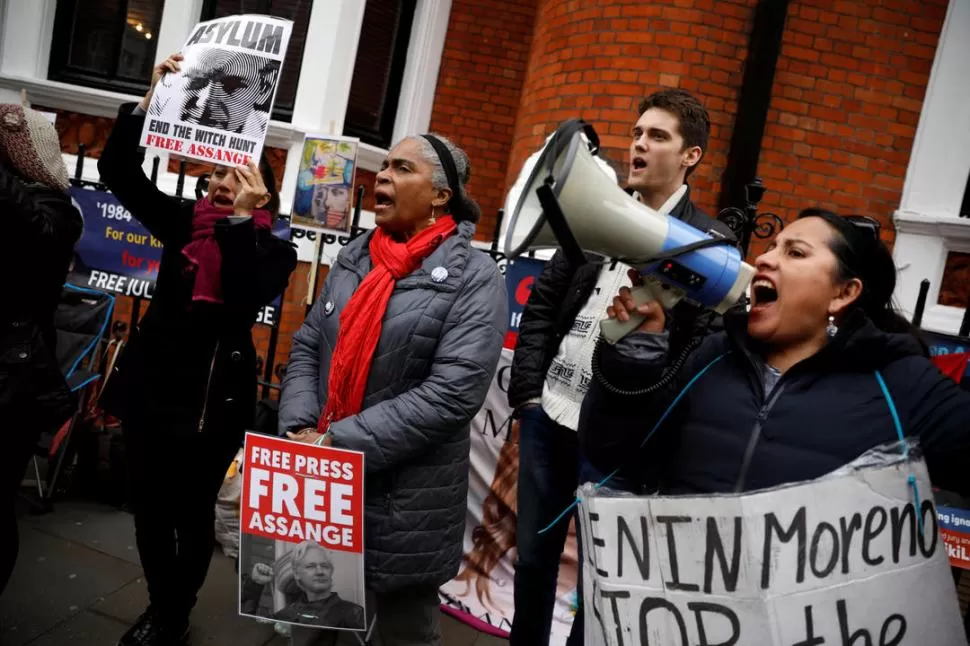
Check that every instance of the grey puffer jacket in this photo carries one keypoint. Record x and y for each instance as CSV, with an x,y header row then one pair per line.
x,y
439,347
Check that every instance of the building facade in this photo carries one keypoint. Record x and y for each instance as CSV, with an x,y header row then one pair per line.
x,y
855,105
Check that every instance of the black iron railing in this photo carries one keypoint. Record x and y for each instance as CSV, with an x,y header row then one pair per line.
x,y
747,221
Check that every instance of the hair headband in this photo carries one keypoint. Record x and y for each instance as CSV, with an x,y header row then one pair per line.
x,y
455,206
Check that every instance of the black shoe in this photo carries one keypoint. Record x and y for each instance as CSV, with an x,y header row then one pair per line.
x,y
154,629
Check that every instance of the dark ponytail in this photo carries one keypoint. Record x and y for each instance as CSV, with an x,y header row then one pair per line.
x,y
861,254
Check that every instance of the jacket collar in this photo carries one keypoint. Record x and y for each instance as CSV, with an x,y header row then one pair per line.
x,y
452,256
858,346
679,208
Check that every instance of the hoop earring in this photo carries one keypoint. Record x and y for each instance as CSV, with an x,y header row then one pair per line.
x,y
831,329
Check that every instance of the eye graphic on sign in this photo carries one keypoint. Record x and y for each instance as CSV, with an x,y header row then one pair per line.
x,y
524,289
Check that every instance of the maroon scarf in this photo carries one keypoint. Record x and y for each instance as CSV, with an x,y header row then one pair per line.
x,y
203,253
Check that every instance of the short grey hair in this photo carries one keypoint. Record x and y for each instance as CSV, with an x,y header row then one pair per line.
x,y
439,179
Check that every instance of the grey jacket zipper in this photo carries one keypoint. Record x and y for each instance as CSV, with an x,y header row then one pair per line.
x,y
208,385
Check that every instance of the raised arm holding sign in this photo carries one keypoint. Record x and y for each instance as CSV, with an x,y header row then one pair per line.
x,y
214,100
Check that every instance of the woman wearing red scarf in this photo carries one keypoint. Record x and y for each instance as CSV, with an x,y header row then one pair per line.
x,y
185,384
395,360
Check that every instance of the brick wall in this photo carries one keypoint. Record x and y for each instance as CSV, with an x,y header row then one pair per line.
x,y
479,84
598,59
846,100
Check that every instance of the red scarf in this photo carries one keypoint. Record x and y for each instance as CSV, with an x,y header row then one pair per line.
x,y
361,320
203,252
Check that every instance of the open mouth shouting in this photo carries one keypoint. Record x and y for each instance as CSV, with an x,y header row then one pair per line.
x,y
764,293
222,200
382,201
638,165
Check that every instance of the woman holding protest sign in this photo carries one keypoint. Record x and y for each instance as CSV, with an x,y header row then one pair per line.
x,y
394,360
185,384
40,229
819,371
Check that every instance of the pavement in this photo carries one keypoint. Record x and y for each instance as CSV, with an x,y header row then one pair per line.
x,y
78,581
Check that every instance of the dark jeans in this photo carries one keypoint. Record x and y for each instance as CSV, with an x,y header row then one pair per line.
x,y
175,479
548,476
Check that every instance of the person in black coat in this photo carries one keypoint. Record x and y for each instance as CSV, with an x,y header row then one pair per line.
x,y
790,391
185,384
557,333
39,230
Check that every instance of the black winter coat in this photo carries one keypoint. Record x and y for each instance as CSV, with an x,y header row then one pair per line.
x,y
560,293
40,228
189,366
727,434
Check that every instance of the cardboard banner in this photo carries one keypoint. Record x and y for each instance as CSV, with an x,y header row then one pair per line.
x,y
325,184
301,543
117,254
482,593
837,560
217,108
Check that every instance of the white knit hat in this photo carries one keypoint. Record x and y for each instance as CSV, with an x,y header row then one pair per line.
x,y
29,145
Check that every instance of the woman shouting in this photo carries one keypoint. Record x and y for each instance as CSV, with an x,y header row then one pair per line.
x,y
394,360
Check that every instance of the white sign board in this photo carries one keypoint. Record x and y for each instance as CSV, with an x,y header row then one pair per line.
x,y
217,108
836,561
333,241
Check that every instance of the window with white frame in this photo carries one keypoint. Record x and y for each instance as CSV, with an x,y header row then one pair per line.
x,y
105,44
296,10
932,239
379,70
965,207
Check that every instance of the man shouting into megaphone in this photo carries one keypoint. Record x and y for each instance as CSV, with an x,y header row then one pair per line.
x,y
552,366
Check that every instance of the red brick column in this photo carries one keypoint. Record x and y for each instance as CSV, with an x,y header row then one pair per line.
x,y
597,59
482,70
847,96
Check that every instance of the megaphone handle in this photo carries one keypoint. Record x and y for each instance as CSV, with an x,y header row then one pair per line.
x,y
614,330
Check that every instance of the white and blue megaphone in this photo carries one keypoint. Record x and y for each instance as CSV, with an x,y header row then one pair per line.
x,y
569,202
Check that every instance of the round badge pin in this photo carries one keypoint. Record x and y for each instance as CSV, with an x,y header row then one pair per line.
x,y
439,274
328,308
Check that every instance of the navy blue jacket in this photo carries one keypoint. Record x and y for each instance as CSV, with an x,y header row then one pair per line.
x,y
726,434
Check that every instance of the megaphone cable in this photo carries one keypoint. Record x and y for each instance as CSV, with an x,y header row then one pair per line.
x,y
663,418
668,374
